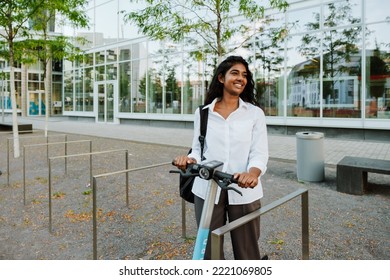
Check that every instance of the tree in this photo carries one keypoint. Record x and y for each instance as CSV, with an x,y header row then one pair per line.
x,y
267,53
172,83
377,71
55,47
216,22
14,15
338,46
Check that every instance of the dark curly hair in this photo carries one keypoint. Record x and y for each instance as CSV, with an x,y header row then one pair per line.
x,y
216,88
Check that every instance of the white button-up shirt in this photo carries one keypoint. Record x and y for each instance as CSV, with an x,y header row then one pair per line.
x,y
240,142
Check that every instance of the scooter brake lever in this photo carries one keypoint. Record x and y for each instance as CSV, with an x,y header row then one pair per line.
x,y
224,184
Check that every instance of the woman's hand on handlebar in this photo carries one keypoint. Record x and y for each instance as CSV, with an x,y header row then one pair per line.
x,y
181,162
248,179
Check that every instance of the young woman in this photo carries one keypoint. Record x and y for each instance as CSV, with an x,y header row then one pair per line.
x,y
237,136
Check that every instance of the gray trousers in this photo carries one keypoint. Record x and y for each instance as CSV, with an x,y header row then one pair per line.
x,y
245,238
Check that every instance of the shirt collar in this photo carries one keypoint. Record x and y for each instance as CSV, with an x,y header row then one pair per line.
x,y
241,104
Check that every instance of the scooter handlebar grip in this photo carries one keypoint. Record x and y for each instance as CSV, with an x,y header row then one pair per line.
x,y
222,175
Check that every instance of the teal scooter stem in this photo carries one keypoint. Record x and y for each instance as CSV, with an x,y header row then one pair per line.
x,y
205,221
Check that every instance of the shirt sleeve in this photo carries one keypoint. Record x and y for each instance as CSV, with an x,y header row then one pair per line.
x,y
258,155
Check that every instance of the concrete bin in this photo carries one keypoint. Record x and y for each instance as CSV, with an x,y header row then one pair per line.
x,y
310,156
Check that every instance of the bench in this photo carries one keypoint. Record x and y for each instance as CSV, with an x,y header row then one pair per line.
x,y
22,127
352,173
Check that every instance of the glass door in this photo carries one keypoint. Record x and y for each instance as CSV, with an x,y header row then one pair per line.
x,y
36,103
105,101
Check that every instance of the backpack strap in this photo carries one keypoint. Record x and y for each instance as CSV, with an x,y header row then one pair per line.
x,y
203,128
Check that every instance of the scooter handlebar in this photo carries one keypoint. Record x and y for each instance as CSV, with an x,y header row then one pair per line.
x,y
225,176
207,172
193,170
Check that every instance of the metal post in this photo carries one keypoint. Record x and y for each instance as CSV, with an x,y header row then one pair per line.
x,y
216,244
305,225
50,214
8,163
24,175
183,219
94,218
66,153
90,169
127,179
47,148
90,162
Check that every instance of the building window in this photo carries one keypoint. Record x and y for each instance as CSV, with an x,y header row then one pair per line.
x,y
378,72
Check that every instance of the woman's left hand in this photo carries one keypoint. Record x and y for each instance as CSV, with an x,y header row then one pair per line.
x,y
248,179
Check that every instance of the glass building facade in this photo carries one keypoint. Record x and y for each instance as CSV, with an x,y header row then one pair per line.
x,y
30,89
330,68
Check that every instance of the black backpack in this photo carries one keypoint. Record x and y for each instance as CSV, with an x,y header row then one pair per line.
x,y
185,186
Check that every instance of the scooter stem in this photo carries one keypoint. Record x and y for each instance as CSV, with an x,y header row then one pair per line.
x,y
205,220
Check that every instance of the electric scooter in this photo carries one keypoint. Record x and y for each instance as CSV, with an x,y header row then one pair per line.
x,y
208,171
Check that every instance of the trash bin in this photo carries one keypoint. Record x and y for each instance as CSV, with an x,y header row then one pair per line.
x,y
310,156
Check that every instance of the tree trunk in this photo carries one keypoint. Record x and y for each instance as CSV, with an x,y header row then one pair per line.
x,y
47,92
15,127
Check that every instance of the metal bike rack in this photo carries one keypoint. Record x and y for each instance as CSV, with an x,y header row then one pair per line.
x,y
90,172
94,191
47,144
28,137
216,235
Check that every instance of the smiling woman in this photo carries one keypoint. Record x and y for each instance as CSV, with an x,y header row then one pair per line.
x,y
237,137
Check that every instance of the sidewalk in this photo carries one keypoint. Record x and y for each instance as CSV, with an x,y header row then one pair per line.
x,y
281,147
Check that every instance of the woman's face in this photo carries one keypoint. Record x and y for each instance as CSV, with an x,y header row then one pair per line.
x,y
234,80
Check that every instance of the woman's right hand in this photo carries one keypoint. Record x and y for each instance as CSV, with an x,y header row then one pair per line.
x,y
181,162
